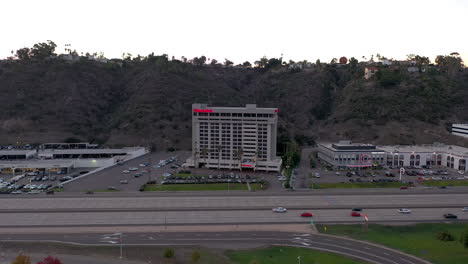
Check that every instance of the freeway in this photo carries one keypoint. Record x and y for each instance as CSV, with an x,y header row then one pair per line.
x,y
83,204
356,249
68,219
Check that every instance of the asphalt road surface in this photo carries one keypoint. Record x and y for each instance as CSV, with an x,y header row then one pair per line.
x,y
351,248
226,202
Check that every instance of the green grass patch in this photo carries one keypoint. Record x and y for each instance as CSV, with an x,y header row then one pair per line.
x,y
57,189
419,240
201,187
357,185
446,183
282,255
184,175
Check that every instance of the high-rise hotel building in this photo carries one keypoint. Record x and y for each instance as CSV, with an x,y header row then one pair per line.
x,y
234,137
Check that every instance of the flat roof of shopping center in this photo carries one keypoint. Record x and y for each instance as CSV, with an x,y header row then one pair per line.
x,y
36,164
6,152
437,148
89,151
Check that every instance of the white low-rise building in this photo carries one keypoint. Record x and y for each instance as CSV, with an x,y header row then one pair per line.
x,y
460,130
346,154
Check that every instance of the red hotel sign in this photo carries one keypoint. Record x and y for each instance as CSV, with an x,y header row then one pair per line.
x,y
202,110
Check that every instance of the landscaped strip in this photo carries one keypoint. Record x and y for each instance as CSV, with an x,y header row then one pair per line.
x,y
283,255
357,185
418,240
202,187
446,183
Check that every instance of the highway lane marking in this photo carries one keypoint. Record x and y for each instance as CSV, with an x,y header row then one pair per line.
x,y
407,261
386,253
367,248
336,252
356,250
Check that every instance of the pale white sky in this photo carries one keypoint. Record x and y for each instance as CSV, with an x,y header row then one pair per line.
x,y
240,29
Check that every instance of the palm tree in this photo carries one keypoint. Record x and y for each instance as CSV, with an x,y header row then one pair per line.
x,y
219,147
204,153
238,154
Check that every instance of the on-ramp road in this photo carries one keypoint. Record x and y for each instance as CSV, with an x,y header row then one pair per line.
x,y
351,248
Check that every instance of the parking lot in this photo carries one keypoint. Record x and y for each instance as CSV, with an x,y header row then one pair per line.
x,y
413,176
130,175
35,182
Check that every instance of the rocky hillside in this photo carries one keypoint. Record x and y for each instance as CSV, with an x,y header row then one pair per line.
x,y
148,101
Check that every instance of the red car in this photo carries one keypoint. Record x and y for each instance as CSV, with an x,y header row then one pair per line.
x,y
306,214
355,214
404,187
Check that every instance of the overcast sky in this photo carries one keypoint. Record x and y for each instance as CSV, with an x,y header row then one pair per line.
x,y
240,30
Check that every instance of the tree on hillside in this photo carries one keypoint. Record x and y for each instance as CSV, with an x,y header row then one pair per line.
x,y
333,61
214,62
420,60
262,63
274,63
199,61
196,256
450,64
228,62
43,50
247,64
21,259
23,54
50,260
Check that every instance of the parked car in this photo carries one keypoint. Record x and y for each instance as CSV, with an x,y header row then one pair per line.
x,y
136,175
450,216
356,209
279,210
306,214
404,211
355,214
124,182
465,209
132,169
125,171
111,188
403,187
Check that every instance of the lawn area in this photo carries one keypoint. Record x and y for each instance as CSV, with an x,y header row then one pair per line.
x,y
283,255
201,187
419,240
357,185
446,183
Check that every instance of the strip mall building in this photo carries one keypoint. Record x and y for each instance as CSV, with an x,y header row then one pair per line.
x,y
346,154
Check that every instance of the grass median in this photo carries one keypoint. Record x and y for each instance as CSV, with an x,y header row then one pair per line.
x,y
282,255
419,240
357,185
202,187
446,183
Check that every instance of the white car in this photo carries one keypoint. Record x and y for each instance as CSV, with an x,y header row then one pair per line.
x,y
132,169
126,171
404,211
142,165
465,209
317,175
144,171
34,192
124,182
279,210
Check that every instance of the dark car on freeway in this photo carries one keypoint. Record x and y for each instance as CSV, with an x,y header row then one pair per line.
x,y
452,216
